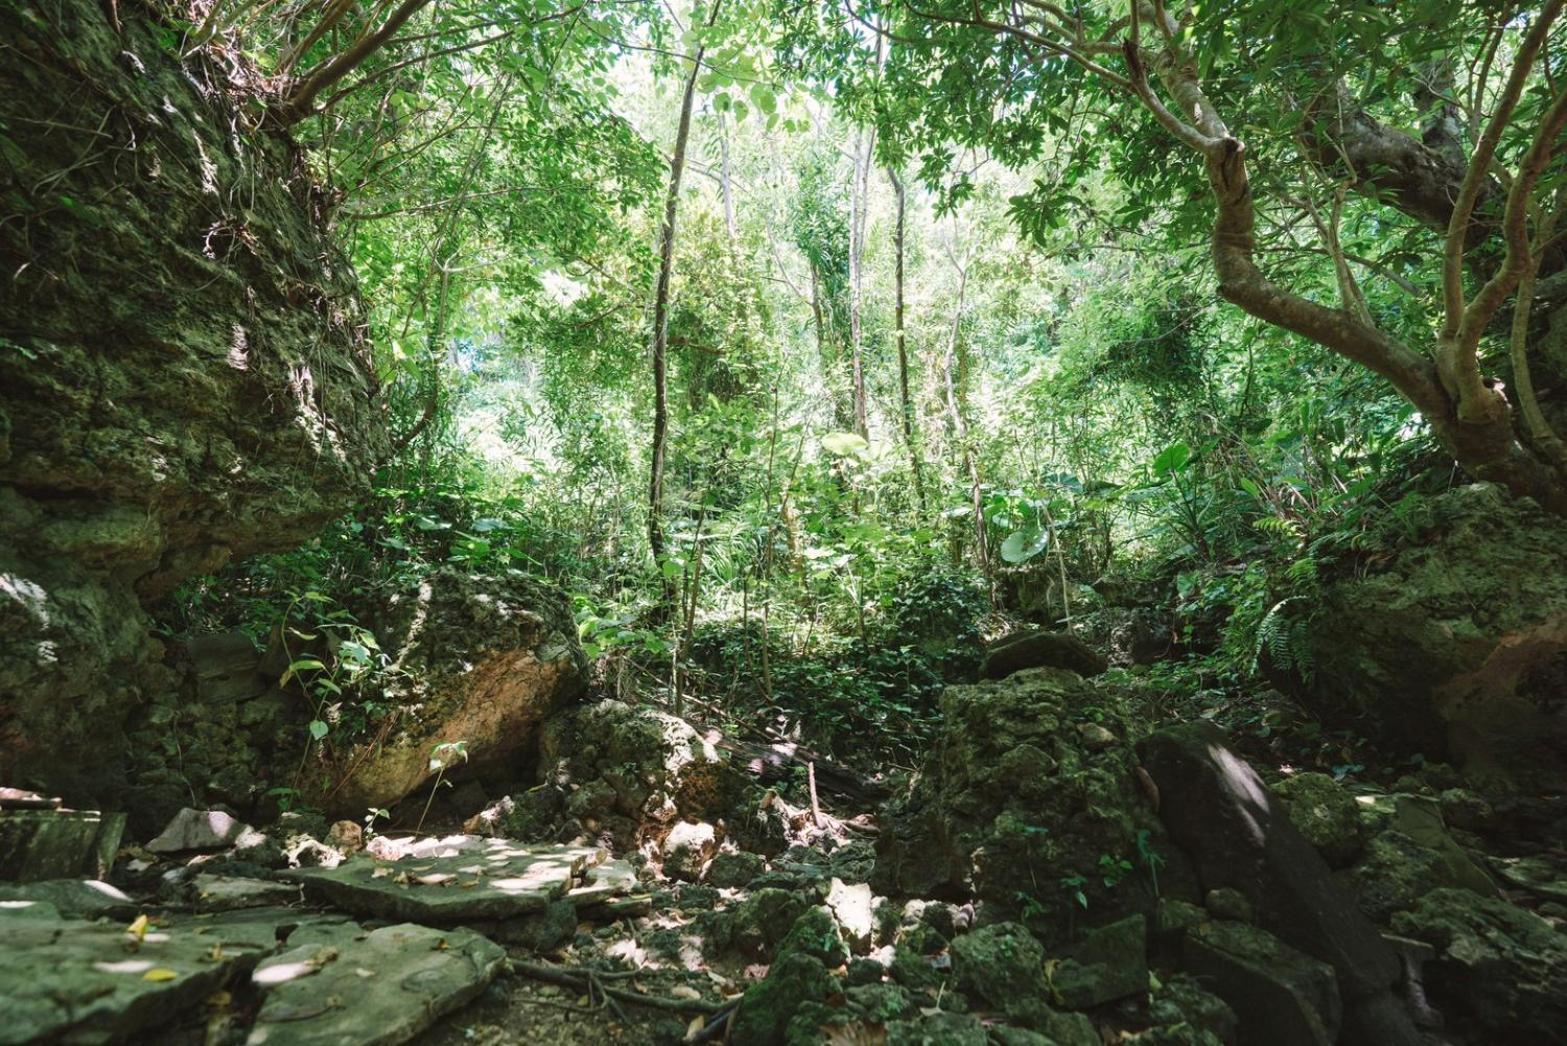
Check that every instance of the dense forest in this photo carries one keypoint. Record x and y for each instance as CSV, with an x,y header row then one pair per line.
x,y
754,521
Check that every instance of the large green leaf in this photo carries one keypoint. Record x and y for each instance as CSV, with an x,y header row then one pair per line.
x,y
1025,543
1172,459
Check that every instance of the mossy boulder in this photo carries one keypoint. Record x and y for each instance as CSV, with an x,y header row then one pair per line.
x,y
1003,965
770,1004
816,934
1325,813
1013,796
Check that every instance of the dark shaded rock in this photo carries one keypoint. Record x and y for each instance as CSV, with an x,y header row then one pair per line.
x,y
184,375
1130,635
72,980
1012,801
732,869
1004,965
52,843
1325,813
761,825
1109,963
544,931
1280,995
1041,649
769,1005
1498,968
1456,644
1239,836
1228,903
1181,1001
763,919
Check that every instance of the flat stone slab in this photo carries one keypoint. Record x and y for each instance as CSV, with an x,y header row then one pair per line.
x,y
73,898
468,878
341,984
46,843
97,982
226,893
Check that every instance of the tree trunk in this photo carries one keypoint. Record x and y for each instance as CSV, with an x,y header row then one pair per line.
x,y
910,436
666,266
864,142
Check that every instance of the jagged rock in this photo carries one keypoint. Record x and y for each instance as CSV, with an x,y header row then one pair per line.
x,y
1325,813
199,830
346,837
881,1002
484,661
765,1012
37,844
732,869
623,771
1239,836
151,435
1002,964
1280,995
761,825
817,934
1497,967
338,984
1041,649
1453,644
763,919
851,906
1109,963
687,849
1012,801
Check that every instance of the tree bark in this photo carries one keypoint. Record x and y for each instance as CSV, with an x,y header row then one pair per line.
x,y
910,436
858,201
666,267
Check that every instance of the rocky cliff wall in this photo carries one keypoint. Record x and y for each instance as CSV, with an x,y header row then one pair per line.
x,y
183,372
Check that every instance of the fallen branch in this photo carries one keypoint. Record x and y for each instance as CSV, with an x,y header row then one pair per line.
x,y
589,981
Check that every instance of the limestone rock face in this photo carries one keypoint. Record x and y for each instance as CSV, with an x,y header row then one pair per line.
x,y
1014,800
183,375
619,772
1457,644
480,660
